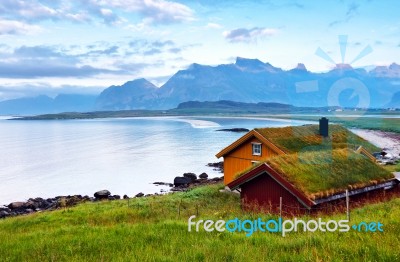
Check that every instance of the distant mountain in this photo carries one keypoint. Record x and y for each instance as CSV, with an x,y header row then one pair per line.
x,y
395,103
392,71
252,81
137,94
232,105
226,106
44,104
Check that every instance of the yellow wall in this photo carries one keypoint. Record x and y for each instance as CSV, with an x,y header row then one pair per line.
x,y
240,159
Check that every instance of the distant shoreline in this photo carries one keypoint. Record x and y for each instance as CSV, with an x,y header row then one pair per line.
x,y
383,122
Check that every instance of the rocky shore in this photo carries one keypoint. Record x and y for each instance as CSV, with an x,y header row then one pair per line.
x,y
32,205
190,180
40,204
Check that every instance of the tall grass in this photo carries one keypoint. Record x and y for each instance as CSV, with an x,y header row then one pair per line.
x,y
324,173
151,229
294,139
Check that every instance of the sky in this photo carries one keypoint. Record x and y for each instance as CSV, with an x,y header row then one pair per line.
x,y
83,46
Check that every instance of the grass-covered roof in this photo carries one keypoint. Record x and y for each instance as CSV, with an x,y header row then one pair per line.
x,y
306,138
323,173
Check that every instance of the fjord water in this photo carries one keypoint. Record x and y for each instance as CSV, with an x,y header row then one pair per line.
x,y
123,155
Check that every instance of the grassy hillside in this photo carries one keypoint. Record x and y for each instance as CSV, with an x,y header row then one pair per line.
x,y
152,229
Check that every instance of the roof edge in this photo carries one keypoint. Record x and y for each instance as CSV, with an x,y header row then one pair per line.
x,y
242,139
386,184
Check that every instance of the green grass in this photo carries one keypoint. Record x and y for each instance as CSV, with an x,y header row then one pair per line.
x,y
323,173
151,229
374,123
392,168
294,139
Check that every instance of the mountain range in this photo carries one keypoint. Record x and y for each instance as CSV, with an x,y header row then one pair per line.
x,y
252,81
44,104
246,80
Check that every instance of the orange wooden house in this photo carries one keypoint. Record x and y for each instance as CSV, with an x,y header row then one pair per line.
x,y
303,166
262,143
245,152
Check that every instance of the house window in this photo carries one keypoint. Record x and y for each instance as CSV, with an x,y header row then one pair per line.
x,y
256,149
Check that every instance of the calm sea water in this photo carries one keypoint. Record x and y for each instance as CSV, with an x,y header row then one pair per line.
x,y
125,156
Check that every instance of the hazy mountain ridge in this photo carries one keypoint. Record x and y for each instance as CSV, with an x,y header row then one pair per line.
x,y
246,80
44,104
136,94
252,81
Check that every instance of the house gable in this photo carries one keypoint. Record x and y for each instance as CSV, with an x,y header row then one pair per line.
x,y
265,170
244,139
239,155
265,193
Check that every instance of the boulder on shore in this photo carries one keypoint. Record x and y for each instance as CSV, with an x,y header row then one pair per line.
x,y
218,166
4,214
16,205
191,176
182,181
203,176
102,194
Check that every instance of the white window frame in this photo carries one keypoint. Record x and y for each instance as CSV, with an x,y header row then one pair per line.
x,y
253,147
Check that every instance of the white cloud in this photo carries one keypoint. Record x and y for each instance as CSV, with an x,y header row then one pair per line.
x,y
155,11
214,26
248,35
11,27
110,12
33,11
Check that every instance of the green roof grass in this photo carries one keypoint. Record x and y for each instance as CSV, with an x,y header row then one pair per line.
x,y
324,173
306,138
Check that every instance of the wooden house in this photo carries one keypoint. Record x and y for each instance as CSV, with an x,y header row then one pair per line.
x,y
303,166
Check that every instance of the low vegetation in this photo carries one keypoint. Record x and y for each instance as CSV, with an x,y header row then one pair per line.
x,y
325,173
293,139
385,123
155,229
392,168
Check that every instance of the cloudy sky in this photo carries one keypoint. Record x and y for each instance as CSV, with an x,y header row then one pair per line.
x,y
82,46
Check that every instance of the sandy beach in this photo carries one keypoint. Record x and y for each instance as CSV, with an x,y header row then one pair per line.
x,y
388,141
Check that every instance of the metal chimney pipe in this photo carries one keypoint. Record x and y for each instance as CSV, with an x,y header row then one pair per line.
x,y
324,127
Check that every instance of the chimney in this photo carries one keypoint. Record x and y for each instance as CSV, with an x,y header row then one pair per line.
x,y
324,127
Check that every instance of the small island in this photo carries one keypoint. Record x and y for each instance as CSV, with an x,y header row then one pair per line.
x,y
236,130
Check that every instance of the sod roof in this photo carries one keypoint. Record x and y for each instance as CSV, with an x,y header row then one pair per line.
x,y
324,173
306,138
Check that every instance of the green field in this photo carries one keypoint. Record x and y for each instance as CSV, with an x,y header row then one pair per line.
x,y
155,229
374,123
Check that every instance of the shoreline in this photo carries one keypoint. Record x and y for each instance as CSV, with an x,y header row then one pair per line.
x,y
387,141
38,204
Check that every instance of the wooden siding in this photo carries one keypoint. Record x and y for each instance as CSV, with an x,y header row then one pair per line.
x,y
241,158
263,193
